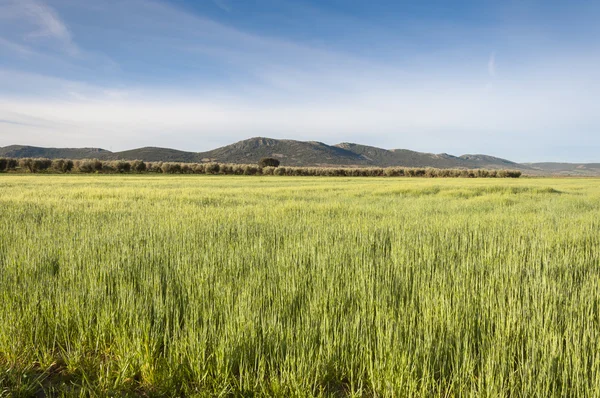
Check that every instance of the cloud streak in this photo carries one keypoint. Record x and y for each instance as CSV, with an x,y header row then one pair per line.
x,y
19,49
223,5
44,21
492,65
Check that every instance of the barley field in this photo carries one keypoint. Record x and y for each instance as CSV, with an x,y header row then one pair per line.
x,y
298,286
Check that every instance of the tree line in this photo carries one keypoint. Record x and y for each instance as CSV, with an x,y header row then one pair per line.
x,y
41,165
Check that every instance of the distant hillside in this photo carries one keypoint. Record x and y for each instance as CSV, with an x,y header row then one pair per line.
x,y
289,152
307,153
486,161
21,151
567,169
402,157
153,154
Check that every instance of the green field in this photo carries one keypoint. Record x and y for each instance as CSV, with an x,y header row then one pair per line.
x,y
283,286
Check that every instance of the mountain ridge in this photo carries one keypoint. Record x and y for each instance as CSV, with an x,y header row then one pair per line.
x,y
306,153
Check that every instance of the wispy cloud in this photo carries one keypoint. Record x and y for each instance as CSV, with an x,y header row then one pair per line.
x,y
492,65
3,121
223,5
44,21
46,18
16,47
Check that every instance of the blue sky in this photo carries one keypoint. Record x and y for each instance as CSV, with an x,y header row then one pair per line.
x,y
516,79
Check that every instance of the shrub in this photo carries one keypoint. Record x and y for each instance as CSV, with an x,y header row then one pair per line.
x,y
77,164
226,169
98,165
171,168
338,172
198,168
431,172
212,168
62,165
166,168
12,164
280,171
268,171
250,170
121,166
296,171
84,166
41,164
482,173
376,172
154,167
57,165
35,165
444,173
89,166
138,166
27,163
7,164
108,168
268,162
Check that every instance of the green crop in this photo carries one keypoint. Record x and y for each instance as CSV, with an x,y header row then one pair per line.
x,y
279,286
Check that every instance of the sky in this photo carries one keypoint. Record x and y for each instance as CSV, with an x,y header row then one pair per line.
x,y
516,79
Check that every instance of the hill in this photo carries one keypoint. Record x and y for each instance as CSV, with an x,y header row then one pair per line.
x,y
307,153
289,152
486,161
374,156
22,151
154,154
567,169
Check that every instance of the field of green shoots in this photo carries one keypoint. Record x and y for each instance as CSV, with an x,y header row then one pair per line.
x,y
299,286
